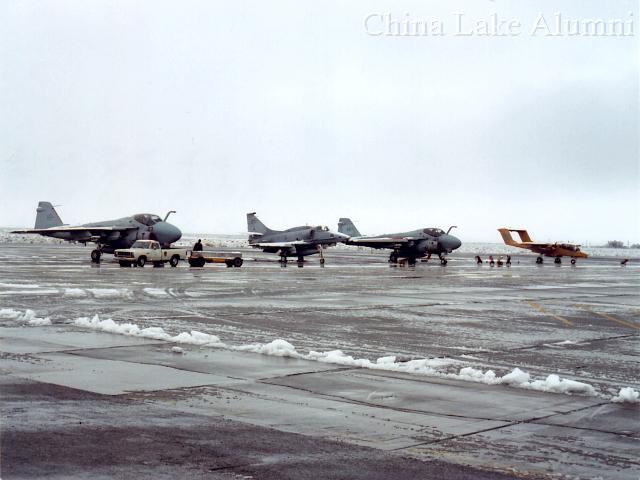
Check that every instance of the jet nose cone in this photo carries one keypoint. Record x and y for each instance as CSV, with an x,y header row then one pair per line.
x,y
450,243
167,233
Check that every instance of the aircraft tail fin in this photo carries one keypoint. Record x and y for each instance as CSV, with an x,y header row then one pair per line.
x,y
46,216
346,226
255,226
508,239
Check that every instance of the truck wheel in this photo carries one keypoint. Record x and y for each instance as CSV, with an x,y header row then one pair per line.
x,y
95,256
196,262
228,263
237,262
141,261
124,263
174,261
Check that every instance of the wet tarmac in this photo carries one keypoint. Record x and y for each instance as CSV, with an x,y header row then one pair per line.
x,y
78,402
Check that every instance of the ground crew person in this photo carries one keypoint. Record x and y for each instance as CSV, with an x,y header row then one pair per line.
x,y
197,247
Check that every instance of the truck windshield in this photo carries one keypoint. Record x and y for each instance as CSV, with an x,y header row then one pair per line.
x,y
141,244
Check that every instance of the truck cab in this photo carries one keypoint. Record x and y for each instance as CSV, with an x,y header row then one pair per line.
x,y
145,251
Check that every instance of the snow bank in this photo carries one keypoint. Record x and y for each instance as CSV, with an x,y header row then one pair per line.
x,y
517,378
281,348
155,333
278,348
27,316
627,395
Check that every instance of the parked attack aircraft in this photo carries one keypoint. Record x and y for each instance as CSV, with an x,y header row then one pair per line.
x,y
107,235
410,245
293,242
556,249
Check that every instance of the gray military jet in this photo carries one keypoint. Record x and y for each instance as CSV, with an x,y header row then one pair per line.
x,y
410,245
108,235
294,242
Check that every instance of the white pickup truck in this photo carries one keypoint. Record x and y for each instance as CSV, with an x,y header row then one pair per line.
x,y
150,251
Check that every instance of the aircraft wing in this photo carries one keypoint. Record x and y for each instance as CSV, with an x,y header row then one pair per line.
x,y
80,233
280,244
91,230
379,242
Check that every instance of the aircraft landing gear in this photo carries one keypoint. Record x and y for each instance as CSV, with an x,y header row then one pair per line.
x,y
573,261
95,255
443,260
558,261
321,256
283,261
393,257
411,261
539,261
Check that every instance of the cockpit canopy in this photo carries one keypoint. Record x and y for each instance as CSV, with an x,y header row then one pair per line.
x,y
434,232
147,219
322,228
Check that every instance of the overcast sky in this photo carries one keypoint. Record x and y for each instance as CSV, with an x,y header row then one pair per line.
x,y
296,110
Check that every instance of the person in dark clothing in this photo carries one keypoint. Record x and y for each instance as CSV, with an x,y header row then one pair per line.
x,y
197,247
508,260
478,259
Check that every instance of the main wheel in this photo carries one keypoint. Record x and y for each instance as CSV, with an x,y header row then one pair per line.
x,y
95,256
573,261
393,258
539,261
443,261
322,261
142,261
237,262
557,261
228,263
411,261
174,261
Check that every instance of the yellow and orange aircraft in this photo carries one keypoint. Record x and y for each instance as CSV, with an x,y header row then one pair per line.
x,y
557,250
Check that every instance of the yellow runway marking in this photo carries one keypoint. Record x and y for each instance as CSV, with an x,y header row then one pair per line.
x,y
539,307
589,308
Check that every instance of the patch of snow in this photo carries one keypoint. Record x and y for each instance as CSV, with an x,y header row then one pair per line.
x,y
74,292
110,292
28,316
627,395
278,348
18,285
155,292
380,396
155,333
177,350
517,378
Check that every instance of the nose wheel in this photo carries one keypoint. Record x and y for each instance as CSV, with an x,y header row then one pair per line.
x,y
95,255
443,260
321,256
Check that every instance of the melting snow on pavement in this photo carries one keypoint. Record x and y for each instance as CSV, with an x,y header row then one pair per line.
x,y
429,367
